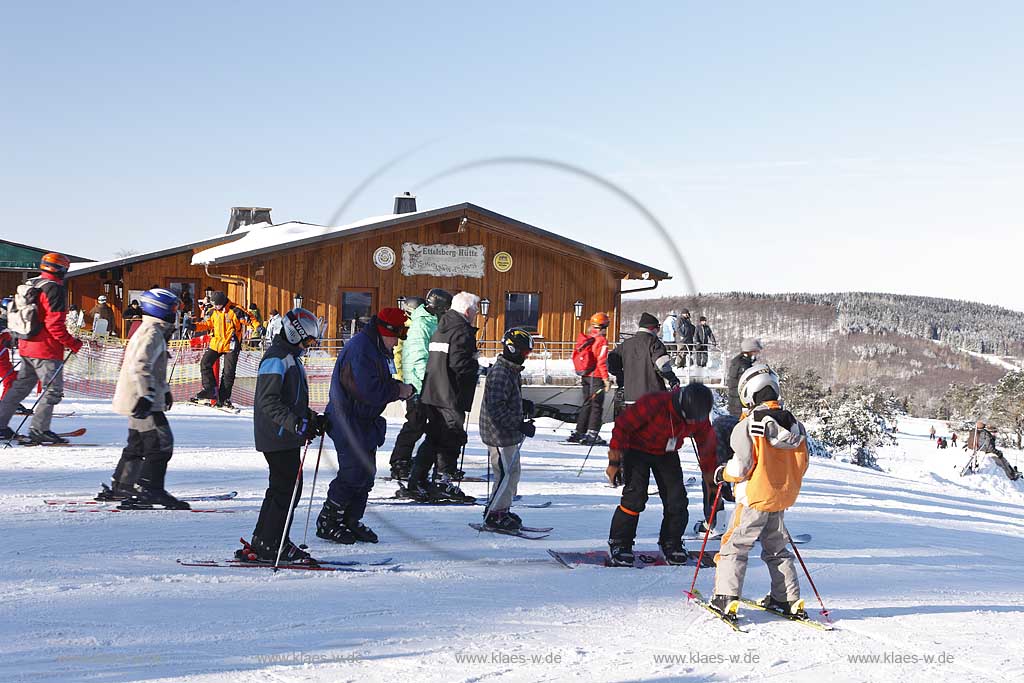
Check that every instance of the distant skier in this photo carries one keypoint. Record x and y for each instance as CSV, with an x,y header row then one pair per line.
x,y
686,332
740,363
143,394
703,339
415,352
931,432
952,439
283,423
361,388
504,424
670,331
646,439
767,468
594,346
641,364
225,325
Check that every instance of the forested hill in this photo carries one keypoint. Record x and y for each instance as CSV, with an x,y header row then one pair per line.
x,y
961,324
913,345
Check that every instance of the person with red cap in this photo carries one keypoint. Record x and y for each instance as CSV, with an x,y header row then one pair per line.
x,y
361,387
41,345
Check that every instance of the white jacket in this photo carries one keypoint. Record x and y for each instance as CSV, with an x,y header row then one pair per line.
x,y
144,368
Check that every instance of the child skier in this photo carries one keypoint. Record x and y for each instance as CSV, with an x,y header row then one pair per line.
x,y
646,437
283,423
142,393
767,468
503,426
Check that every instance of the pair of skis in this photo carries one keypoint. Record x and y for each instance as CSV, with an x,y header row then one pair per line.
x,y
26,440
530,533
93,505
205,403
731,616
385,564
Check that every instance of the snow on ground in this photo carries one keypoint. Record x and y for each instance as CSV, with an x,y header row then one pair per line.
x,y
915,563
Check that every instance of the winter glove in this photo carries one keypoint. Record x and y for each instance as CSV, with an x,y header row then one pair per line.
x,y
607,384
529,409
528,428
406,391
168,400
719,477
613,471
143,408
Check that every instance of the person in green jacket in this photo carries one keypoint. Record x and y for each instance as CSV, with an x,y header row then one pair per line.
x,y
414,353
410,304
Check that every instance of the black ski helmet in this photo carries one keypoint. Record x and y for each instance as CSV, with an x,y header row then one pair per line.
x,y
411,303
694,402
516,344
438,301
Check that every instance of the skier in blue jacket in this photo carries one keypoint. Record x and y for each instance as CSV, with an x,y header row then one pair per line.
x,y
361,387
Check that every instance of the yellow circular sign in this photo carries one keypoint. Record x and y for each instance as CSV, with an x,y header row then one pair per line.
x,y
503,262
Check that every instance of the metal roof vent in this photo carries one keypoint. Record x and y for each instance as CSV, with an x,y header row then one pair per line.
x,y
247,215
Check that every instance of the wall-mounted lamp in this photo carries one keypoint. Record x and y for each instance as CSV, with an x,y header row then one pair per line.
x,y
401,302
577,309
106,287
485,306
297,301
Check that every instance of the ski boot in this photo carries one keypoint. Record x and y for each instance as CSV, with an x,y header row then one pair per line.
x,y
6,434
266,552
400,472
362,533
146,498
674,554
575,437
621,554
794,608
330,527
22,410
226,404
519,520
726,605
701,528
416,490
115,492
45,437
447,490
502,521
592,438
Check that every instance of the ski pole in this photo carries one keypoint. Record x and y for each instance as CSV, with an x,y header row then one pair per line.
x,y
707,534
59,370
465,430
309,510
824,612
587,456
291,506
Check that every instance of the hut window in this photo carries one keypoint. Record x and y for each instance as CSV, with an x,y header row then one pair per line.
x,y
356,310
522,309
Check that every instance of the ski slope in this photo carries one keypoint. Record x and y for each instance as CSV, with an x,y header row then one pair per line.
x,y
914,563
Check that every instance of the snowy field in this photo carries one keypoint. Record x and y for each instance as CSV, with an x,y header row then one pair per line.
x,y
922,570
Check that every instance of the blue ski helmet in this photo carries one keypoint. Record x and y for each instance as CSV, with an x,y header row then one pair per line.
x,y
159,303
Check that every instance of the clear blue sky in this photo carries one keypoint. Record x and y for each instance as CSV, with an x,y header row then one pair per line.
x,y
788,146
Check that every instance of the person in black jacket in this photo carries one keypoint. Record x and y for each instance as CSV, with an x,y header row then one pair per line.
x,y
686,331
740,363
448,390
282,424
703,338
641,364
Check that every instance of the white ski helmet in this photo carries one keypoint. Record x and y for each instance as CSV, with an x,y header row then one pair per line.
x,y
299,325
754,380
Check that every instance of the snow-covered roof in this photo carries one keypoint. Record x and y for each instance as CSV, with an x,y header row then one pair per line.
x,y
265,237
77,269
270,238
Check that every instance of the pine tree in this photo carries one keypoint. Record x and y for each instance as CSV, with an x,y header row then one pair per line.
x,y
856,421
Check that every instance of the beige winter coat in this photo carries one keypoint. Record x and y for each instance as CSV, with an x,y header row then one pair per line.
x,y
144,369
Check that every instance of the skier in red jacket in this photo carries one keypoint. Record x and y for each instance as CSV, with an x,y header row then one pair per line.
x,y
42,355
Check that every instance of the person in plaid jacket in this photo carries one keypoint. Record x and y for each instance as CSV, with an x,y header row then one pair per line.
x,y
646,438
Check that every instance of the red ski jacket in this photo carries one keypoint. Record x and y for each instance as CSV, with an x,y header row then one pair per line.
x,y
54,337
652,425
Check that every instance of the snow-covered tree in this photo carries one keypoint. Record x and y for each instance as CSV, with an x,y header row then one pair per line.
x,y
802,390
1007,406
857,421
